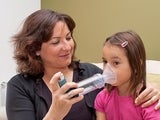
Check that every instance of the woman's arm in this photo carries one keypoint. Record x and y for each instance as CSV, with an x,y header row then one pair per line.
x,y
148,97
18,104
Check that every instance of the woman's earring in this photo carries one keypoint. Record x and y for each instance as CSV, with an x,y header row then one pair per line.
x,y
37,54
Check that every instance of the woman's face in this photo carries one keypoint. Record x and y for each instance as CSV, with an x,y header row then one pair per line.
x,y
117,59
58,51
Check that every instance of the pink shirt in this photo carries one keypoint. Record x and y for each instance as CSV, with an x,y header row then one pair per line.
x,y
123,108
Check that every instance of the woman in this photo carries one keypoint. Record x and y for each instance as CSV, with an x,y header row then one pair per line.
x,y
45,46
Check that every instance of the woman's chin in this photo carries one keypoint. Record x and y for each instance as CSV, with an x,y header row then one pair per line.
x,y
66,64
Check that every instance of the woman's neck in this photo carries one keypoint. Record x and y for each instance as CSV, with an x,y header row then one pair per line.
x,y
48,73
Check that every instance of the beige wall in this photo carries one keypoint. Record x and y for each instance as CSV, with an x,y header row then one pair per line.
x,y
97,19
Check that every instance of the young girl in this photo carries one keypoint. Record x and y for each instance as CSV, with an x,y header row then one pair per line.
x,y
125,53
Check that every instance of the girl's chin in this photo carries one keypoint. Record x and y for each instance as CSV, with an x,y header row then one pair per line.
x,y
114,84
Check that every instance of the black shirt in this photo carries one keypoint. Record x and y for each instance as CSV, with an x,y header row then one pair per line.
x,y
28,98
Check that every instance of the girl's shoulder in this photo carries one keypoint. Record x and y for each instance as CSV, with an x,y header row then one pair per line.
x,y
105,94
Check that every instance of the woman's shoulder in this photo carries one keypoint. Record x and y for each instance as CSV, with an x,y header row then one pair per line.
x,y
20,79
87,64
16,78
90,67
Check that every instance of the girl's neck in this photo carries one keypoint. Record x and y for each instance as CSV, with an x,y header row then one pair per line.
x,y
123,90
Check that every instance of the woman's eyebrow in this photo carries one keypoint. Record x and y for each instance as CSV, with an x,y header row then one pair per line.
x,y
53,37
68,33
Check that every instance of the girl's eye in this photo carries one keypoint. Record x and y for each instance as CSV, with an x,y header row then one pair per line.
x,y
115,63
104,61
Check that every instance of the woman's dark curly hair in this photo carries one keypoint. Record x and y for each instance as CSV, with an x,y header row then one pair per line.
x,y
37,29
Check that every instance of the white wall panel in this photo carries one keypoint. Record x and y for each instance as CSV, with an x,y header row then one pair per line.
x,y
12,14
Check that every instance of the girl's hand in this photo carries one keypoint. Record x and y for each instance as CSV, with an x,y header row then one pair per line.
x,y
62,101
148,97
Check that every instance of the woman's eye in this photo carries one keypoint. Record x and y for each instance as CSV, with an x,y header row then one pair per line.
x,y
68,38
55,42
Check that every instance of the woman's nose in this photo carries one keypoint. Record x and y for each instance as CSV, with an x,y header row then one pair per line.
x,y
66,45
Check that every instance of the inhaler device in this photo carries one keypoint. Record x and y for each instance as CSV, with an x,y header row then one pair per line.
x,y
96,81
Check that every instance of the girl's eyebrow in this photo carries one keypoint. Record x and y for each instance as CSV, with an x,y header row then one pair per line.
x,y
113,58
116,58
103,58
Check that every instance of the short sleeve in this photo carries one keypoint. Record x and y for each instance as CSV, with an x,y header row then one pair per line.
x,y
100,100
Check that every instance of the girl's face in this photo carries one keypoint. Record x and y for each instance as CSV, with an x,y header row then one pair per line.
x,y
58,51
116,57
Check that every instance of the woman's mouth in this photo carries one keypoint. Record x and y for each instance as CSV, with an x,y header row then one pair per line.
x,y
65,55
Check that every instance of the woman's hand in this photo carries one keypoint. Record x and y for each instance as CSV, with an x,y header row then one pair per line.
x,y
148,97
62,101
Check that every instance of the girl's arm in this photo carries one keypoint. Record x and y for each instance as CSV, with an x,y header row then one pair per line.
x,y
100,116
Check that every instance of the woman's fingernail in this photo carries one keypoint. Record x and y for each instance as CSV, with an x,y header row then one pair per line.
x,y
136,101
156,108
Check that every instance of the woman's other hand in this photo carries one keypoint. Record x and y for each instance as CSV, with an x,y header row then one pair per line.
x,y
148,97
